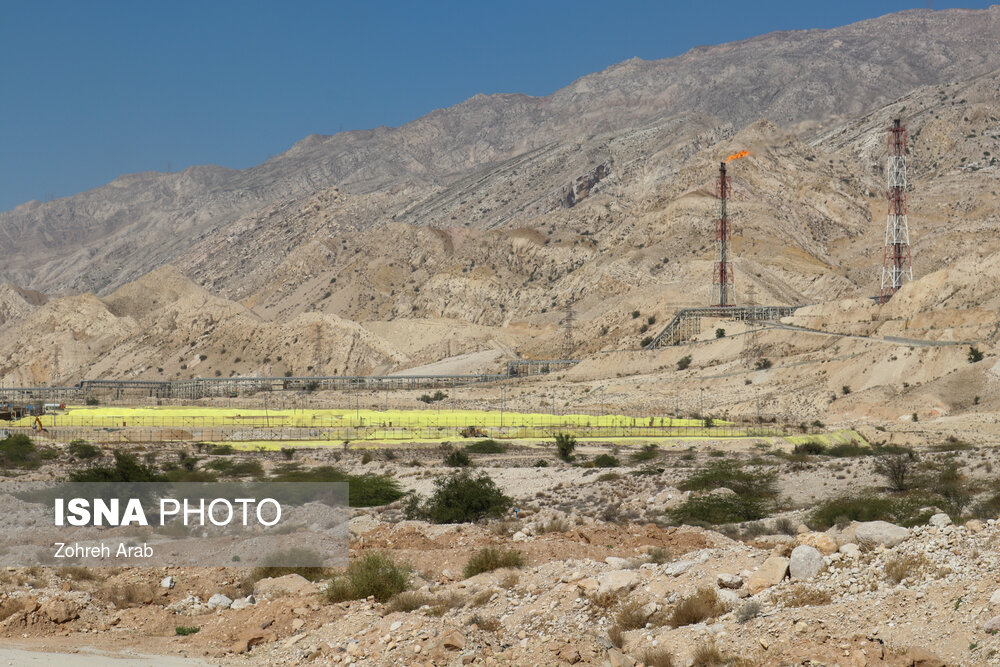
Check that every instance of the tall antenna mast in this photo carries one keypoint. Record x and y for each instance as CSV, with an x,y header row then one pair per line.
x,y
722,274
896,263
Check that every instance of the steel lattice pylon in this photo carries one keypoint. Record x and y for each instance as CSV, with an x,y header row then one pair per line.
x,y
896,264
722,274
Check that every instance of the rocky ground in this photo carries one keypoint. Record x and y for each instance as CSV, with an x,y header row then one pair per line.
x,y
604,580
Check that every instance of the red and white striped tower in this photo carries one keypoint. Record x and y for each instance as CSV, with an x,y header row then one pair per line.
x,y
722,275
896,263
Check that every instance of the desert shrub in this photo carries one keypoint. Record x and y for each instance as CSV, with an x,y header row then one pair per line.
x,y
684,362
364,490
185,475
785,526
408,601
952,444
18,451
374,574
126,468
487,623
718,509
903,510
433,398
457,459
83,450
236,468
845,390
720,333
906,566
462,498
731,475
489,446
565,444
221,450
288,453
609,477
185,630
748,610
541,463
646,340
762,364
492,558
656,657
647,453
898,470
125,595
366,458
810,447
631,617
606,461
707,654
849,450
554,526
616,635
975,354
659,555
90,400
803,595
700,606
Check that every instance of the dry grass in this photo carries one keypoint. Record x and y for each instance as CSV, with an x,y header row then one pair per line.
x,y
128,594
708,655
408,601
631,617
659,555
481,598
510,580
907,566
700,606
605,600
803,595
617,636
554,526
78,573
656,657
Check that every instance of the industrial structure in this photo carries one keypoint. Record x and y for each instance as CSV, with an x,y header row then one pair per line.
x,y
896,264
722,273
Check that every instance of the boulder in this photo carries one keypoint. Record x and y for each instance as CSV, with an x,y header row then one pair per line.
x,y
940,520
770,573
290,584
452,640
992,625
820,541
219,601
729,580
850,550
167,582
975,525
60,611
618,659
806,562
252,638
618,581
870,534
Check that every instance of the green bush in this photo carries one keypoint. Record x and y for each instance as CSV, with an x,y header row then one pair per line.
x,y
486,447
457,459
126,468
902,510
849,449
374,574
365,490
718,509
492,558
185,630
462,498
18,451
236,468
647,453
565,444
810,447
684,362
731,475
541,463
720,333
975,354
221,450
83,450
606,461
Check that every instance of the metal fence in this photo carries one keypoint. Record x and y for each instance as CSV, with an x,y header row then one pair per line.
x,y
110,429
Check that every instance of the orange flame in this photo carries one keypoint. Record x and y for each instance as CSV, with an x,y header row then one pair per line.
x,y
737,156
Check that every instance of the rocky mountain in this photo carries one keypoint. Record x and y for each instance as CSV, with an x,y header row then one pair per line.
x,y
98,240
478,228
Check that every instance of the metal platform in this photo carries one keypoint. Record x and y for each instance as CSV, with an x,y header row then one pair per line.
x,y
686,324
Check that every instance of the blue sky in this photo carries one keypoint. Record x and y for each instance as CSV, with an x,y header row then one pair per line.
x,y
92,90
